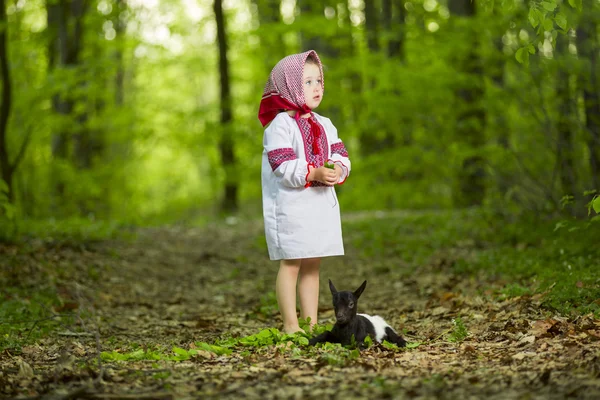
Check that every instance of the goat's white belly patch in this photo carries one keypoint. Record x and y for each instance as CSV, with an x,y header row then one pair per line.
x,y
379,324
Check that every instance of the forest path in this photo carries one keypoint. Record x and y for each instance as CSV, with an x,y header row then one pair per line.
x,y
176,287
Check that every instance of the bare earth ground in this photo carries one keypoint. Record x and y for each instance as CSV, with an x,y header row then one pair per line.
x,y
176,287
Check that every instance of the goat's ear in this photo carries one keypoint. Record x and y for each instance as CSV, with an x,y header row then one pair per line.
x,y
332,288
359,291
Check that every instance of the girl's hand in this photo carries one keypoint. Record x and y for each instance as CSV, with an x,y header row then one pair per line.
x,y
324,175
338,172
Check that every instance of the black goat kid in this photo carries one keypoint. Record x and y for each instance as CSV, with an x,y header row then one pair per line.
x,y
349,323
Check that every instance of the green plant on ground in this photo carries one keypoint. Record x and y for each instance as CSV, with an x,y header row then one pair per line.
x,y
459,331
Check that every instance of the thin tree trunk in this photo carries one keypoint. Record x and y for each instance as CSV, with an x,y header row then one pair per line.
x,y
355,81
120,26
57,56
7,169
65,29
269,15
565,151
394,25
314,39
230,201
471,116
373,136
393,21
372,26
497,74
84,143
588,49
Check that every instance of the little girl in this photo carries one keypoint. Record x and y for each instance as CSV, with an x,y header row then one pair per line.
x,y
300,207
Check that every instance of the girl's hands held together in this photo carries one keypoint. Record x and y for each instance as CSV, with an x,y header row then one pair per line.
x,y
338,172
325,175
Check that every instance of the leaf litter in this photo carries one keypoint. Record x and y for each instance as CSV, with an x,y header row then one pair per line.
x,y
189,313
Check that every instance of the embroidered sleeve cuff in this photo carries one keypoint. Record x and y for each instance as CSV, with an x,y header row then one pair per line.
x,y
279,156
345,173
339,148
308,173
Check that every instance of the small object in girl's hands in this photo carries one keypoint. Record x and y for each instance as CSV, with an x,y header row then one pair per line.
x,y
329,165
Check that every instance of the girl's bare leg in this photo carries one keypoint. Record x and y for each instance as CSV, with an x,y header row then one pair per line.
x,y
308,288
285,288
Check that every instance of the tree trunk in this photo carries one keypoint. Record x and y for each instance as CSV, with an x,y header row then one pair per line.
x,y
373,136
120,26
5,166
56,57
588,49
314,39
65,29
84,143
393,21
497,119
470,189
394,25
565,147
269,15
230,201
372,26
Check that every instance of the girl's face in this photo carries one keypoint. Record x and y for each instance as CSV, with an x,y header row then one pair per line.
x,y
312,83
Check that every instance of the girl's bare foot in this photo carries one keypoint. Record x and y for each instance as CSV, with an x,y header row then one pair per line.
x,y
292,329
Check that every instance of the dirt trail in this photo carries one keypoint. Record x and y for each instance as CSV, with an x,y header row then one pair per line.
x,y
175,286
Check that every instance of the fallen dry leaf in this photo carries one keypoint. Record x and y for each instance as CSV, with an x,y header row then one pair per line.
x,y
541,328
25,370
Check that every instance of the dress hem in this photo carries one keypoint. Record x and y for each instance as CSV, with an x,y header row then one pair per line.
x,y
303,256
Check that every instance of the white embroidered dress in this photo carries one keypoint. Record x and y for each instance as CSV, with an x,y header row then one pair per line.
x,y
301,221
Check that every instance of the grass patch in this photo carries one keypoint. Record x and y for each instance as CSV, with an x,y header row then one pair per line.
x,y
24,319
74,229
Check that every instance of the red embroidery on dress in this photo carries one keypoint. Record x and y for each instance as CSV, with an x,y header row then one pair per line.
x,y
320,157
279,156
339,148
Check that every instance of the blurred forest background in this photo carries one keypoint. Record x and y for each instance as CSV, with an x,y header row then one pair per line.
x,y
145,111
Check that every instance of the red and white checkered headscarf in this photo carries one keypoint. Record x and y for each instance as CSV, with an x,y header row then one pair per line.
x,y
285,91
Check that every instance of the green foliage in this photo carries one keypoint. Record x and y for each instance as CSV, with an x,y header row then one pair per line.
x,y
223,349
459,331
156,354
594,204
332,354
546,16
272,336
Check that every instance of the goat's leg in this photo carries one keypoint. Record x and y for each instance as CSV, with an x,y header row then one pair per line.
x,y
393,337
326,336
